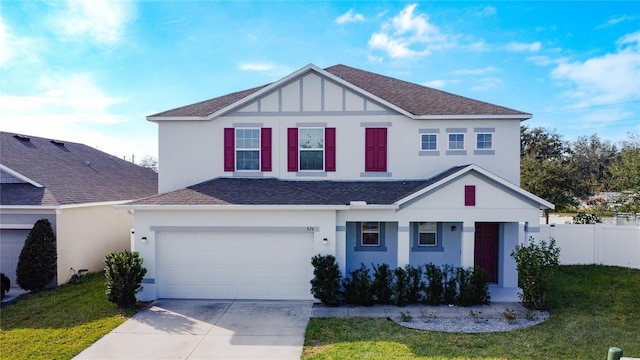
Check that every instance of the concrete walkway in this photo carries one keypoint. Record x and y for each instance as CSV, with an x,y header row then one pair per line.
x,y
208,329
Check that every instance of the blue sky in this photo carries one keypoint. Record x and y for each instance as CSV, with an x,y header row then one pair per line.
x,y
91,71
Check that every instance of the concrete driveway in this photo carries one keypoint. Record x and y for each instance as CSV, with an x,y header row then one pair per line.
x,y
208,329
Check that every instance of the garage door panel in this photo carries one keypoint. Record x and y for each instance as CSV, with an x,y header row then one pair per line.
x,y
234,266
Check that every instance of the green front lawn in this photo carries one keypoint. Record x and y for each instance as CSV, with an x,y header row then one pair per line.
x,y
592,308
60,323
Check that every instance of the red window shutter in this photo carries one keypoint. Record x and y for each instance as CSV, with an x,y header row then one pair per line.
x,y
330,149
469,195
229,149
265,149
375,149
292,149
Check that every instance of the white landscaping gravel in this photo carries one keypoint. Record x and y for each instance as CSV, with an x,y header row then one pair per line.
x,y
471,325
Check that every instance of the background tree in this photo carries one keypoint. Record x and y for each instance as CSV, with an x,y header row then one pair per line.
x,y
149,162
37,262
592,157
545,169
625,170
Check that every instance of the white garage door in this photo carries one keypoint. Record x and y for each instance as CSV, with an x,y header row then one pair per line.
x,y
211,265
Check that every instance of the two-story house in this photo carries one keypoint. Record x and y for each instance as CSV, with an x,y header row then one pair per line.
x,y
340,161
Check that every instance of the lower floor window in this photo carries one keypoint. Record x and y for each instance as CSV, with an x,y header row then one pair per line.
x,y
370,234
427,234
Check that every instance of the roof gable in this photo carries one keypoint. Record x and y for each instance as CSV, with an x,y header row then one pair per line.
x,y
412,100
62,173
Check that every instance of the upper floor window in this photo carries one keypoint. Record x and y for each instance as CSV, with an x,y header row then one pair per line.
x,y
375,149
370,234
247,149
456,141
484,141
311,147
428,141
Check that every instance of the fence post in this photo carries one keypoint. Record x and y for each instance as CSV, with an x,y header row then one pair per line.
x,y
615,353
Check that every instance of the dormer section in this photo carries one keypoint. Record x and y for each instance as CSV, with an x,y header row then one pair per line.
x,y
312,94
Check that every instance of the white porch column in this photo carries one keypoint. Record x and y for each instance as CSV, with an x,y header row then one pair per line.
x,y
404,245
341,247
467,247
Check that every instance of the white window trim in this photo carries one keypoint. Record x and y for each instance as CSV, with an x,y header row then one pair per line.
x,y
435,234
300,149
421,135
259,149
362,232
484,133
449,141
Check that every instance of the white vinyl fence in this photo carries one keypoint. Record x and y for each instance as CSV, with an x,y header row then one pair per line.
x,y
594,244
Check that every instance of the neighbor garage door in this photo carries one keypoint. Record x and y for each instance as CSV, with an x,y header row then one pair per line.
x,y
214,265
11,244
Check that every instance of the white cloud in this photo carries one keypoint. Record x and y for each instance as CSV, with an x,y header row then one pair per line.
x,y
487,83
524,47
611,78
487,11
409,35
618,19
349,17
13,47
102,20
438,84
268,68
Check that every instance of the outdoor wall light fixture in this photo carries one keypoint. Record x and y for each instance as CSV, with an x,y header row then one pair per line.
x,y
325,241
144,240
453,228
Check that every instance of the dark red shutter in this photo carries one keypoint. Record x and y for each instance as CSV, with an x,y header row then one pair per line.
x,y
469,195
265,149
375,149
330,149
292,149
229,149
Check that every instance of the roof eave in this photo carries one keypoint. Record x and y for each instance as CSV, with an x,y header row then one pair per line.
x,y
520,117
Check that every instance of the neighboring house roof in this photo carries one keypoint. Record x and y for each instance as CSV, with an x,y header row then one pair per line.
x,y
413,99
271,191
48,172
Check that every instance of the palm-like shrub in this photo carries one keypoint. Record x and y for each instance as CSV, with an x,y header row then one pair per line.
x,y
124,273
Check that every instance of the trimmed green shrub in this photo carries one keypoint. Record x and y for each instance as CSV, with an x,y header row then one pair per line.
x,y
450,284
357,288
400,286
325,285
586,218
124,274
480,281
536,265
381,286
37,264
415,285
435,287
465,287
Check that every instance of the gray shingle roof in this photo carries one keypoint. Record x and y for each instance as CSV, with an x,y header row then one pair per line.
x,y
416,99
71,173
270,191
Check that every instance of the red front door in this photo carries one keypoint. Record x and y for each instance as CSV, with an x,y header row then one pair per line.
x,y
486,249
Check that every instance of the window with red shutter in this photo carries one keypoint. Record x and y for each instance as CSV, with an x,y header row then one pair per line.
x,y
229,149
292,149
330,149
470,195
265,149
375,149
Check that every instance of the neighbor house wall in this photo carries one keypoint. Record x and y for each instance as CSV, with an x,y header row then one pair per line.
x,y
86,234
